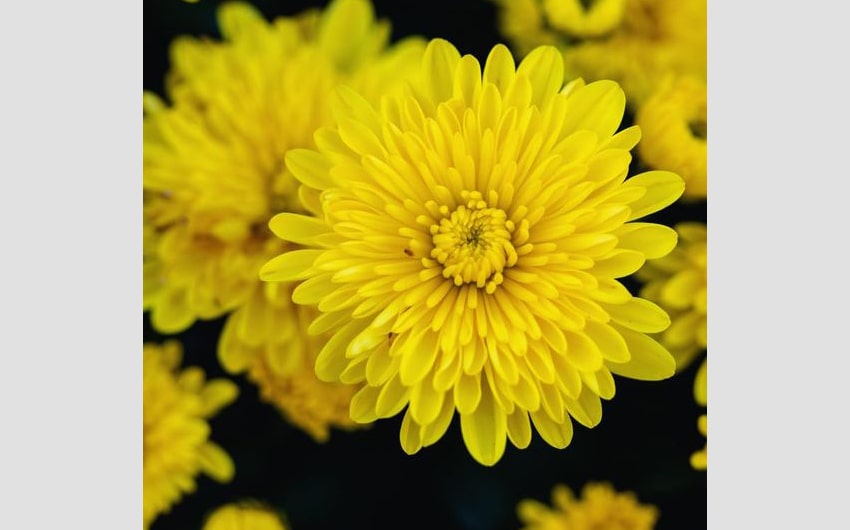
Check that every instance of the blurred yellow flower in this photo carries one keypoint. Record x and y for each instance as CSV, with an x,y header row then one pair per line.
x,y
678,283
214,172
634,42
600,508
244,516
582,19
673,122
177,404
312,405
699,459
466,255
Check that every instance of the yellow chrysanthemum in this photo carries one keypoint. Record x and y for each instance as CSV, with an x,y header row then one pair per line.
x,y
466,257
678,283
583,19
600,508
634,42
176,444
673,122
312,405
214,173
699,459
244,516
524,24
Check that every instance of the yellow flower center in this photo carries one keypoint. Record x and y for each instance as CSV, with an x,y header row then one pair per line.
x,y
473,243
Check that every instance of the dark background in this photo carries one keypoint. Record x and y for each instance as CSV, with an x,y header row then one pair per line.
x,y
363,480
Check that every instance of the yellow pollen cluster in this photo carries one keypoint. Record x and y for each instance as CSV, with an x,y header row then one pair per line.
x,y
473,243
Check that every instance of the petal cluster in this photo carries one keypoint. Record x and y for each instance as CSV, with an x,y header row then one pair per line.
x,y
634,42
214,174
466,255
600,507
177,406
678,282
674,125
244,516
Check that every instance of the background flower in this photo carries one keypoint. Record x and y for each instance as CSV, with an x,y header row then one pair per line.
x,y
600,507
674,125
244,516
214,175
636,43
450,281
678,282
177,404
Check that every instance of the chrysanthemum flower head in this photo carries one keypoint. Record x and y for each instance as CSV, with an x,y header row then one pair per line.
x,y
673,122
678,283
177,404
466,257
634,42
600,507
245,515
581,19
214,170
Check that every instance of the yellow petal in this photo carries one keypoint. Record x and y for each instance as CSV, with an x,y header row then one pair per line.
x,y
439,63
354,373
558,435
238,20
653,240
619,263
309,167
499,68
410,435
625,139
582,352
640,315
290,266
552,402
544,68
331,360
172,314
650,361
662,188
313,290
342,25
360,138
587,409
437,428
598,107
362,406
467,393
216,394
350,103
418,356
215,462
610,343
425,402
485,430
519,428
380,366
605,382
392,398
467,79
298,228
